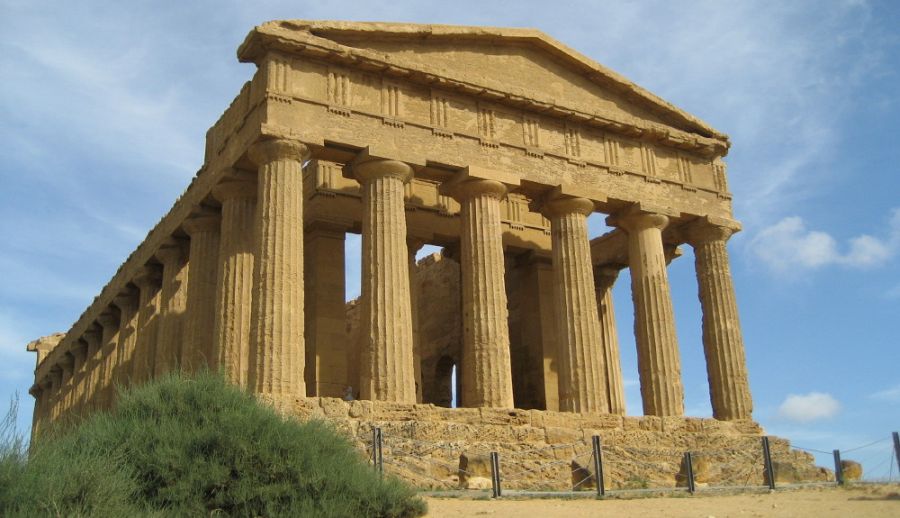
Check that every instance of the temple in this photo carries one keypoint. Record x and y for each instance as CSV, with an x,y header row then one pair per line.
x,y
493,144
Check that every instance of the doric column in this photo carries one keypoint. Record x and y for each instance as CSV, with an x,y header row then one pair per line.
x,y
56,394
326,312
386,371
486,367
103,383
659,364
198,328
41,400
67,364
79,355
723,344
581,373
92,365
538,332
604,278
412,248
234,287
148,283
276,366
127,339
173,300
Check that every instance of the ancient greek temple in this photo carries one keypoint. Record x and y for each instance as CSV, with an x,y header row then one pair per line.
x,y
493,144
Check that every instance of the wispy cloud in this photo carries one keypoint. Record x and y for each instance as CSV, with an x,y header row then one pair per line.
x,y
804,408
789,245
891,394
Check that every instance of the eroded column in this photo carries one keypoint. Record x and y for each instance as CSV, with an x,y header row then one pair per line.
x,y
326,313
148,283
93,363
659,364
413,245
173,301
277,348
125,342
604,278
582,386
386,371
723,343
103,382
198,328
486,367
79,358
235,284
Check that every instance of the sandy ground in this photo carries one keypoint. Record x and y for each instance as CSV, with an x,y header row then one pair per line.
x,y
856,501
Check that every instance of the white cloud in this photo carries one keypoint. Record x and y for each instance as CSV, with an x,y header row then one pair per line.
x,y
804,408
891,394
789,244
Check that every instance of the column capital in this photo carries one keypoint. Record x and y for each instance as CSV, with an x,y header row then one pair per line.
x,y
466,189
237,184
605,276
373,168
565,204
126,300
636,219
705,230
108,319
171,251
202,221
267,151
92,336
149,276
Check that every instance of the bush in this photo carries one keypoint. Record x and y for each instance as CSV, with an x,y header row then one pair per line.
x,y
195,447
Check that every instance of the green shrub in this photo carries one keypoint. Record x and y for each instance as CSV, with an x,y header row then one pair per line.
x,y
195,447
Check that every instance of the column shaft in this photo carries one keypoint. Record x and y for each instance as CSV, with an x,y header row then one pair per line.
x,y
604,279
127,339
198,329
486,366
723,343
387,371
582,385
326,313
276,365
103,379
235,284
173,301
148,282
413,246
659,364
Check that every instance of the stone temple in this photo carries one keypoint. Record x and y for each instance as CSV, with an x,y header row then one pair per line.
x,y
494,144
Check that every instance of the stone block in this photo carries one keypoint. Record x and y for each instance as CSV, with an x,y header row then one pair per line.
x,y
558,435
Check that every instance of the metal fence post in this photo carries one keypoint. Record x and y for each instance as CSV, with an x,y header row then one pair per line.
x,y
838,469
495,475
380,452
897,448
598,465
767,462
375,448
688,462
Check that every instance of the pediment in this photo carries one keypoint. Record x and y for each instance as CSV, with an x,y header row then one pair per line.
x,y
523,63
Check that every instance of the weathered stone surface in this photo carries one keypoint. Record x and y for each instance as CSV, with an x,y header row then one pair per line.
x,y
851,469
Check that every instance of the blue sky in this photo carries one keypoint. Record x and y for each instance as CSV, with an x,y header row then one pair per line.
x,y
104,107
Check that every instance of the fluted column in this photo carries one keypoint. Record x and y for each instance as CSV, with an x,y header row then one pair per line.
x,y
486,372
386,371
604,278
413,245
723,343
65,401
582,386
277,347
79,355
173,301
148,283
234,287
127,339
198,327
103,381
56,394
659,364
88,395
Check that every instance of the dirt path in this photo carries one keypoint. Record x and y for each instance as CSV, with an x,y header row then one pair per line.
x,y
857,501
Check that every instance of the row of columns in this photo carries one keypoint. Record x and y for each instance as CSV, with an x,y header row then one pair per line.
x,y
232,297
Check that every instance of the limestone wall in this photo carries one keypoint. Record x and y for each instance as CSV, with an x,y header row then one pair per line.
x,y
423,444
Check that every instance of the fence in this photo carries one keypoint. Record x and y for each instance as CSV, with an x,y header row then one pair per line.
x,y
594,468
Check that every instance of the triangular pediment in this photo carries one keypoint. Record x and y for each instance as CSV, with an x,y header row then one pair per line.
x,y
524,63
